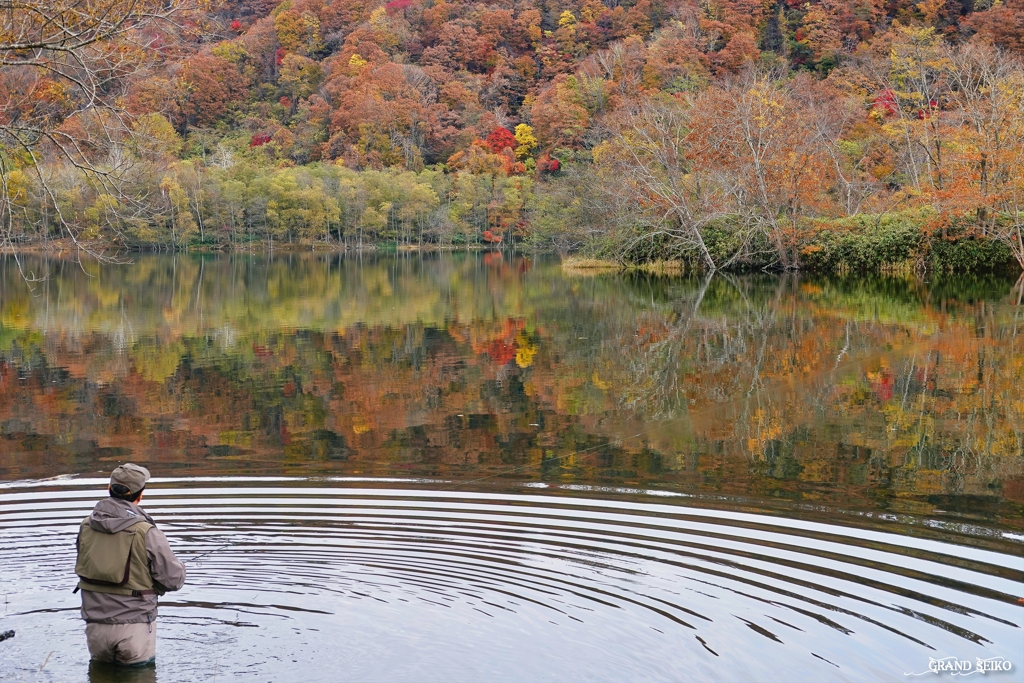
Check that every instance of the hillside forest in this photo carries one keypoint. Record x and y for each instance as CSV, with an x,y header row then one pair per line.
x,y
858,134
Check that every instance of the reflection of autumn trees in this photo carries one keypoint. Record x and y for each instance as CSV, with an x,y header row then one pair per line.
x,y
864,393
797,374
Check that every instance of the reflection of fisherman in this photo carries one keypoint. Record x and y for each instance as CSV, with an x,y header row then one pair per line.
x,y
124,563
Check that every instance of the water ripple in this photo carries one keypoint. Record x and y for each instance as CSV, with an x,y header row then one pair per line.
x,y
417,583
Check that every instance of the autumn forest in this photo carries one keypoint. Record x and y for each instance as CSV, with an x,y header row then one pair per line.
x,y
719,134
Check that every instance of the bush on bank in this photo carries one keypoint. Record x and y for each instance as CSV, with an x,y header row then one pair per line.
x,y
868,243
859,244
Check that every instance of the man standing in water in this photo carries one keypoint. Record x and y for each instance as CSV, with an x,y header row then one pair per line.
x,y
124,563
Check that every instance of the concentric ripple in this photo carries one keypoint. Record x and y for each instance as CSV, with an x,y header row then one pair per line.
x,y
390,580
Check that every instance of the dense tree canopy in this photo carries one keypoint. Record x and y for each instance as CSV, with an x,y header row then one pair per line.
x,y
762,122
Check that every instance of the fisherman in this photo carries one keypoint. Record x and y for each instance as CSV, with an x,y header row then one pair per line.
x,y
124,563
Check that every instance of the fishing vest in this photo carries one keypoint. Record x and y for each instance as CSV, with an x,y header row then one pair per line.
x,y
114,563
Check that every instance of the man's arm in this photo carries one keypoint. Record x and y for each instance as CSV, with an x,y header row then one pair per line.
x,y
167,570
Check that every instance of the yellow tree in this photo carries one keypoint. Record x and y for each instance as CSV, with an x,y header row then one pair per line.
x,y
299,32
915,84
526,142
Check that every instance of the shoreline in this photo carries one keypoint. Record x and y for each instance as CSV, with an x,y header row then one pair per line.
x,y
582,266
573,264
577,265
67,247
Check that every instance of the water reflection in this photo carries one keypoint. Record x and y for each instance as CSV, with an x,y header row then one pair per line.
x,y
883,394
100,672
476,466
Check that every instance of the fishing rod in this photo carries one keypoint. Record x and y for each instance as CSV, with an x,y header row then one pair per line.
x,y
195,560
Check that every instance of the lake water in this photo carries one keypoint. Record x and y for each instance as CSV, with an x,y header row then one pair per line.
x,y
479,467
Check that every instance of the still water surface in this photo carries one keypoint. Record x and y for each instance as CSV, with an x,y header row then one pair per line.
x,y
476,467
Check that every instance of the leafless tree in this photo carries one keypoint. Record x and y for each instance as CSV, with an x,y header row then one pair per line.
x,y
648,178
64,69
987,88
768,153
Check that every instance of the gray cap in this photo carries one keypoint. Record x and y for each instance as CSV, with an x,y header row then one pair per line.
x,y
130,475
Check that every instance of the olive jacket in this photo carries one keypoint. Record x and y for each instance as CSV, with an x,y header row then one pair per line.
x,y
111,516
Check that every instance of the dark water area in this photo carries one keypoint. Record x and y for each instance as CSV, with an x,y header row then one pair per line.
x,y
480,467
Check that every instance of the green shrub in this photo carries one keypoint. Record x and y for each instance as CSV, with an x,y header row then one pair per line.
x,y
963,254
866,243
